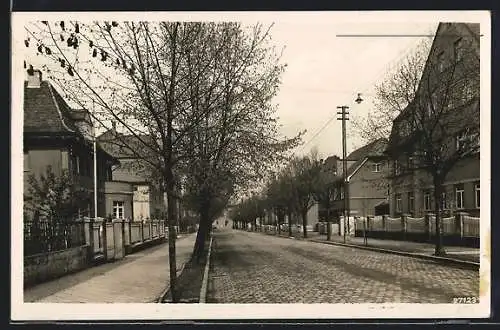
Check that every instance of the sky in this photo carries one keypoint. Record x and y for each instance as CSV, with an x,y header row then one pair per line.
x,y
326,70
329,60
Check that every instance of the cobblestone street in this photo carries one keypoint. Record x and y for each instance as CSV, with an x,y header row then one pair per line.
x,y
255,268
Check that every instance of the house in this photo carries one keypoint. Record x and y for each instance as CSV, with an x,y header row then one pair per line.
x,y
367,171
60,137
148,200
448,88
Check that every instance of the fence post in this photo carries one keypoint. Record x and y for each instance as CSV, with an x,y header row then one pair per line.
x,y
459,223
104,239
428,221
151,229
404,219
89,224
142,231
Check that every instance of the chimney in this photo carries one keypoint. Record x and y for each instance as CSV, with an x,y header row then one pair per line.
x,y
114,125
34,78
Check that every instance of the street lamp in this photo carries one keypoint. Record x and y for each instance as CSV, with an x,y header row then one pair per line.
x,y
344,117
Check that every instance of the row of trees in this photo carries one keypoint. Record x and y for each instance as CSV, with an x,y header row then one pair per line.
x,y
428,109
195,97
292,192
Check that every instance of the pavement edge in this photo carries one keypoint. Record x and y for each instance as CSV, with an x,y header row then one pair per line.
x,y
204,284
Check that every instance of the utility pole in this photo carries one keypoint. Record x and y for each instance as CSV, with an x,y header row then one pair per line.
x,y
343,117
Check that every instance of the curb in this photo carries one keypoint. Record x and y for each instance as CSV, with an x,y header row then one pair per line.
x,y
455,262
451,261
204,284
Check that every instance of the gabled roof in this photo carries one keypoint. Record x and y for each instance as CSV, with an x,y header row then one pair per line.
x,y
375,148
45,111
119,145
361,155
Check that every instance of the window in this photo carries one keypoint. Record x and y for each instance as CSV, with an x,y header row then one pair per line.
x,y
377,167
411,161
398,203
459,196
440,61
458,49
118,210
76,164
26,162
411,202
444,201
477,194
427,200
397,168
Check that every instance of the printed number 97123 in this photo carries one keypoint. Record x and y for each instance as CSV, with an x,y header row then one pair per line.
x,y
465,300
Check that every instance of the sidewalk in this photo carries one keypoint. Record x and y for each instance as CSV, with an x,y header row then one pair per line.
x,y
458,253
138,278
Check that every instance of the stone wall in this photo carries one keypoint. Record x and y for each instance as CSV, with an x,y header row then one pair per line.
x,y
45,266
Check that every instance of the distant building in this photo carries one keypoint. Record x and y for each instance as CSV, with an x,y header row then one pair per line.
x,y
148,201
367,173
56,135
411,189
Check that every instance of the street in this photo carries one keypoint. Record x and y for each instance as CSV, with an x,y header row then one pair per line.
x,y
257,268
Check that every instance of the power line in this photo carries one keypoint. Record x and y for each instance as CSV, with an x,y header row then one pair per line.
x,y
404,52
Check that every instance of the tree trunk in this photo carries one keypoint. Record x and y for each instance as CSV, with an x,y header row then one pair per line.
x,y
290,234
304,223
438,188
202,235
328,226
172,236
279,220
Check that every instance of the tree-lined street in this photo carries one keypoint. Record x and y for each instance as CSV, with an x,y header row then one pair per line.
x,y
255,268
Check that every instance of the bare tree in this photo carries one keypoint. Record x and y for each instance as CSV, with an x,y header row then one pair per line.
x,y
324,193
440,126
305,172
161,82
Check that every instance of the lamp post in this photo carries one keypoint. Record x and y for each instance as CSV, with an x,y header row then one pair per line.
x,y
94,140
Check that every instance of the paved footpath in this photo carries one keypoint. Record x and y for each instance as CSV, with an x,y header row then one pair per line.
x,y
141,277
453,252
254,268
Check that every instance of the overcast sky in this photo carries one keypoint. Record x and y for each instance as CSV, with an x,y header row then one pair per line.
x,y
326,70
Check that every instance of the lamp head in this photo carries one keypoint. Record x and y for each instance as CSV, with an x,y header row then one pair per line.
x,y
359,99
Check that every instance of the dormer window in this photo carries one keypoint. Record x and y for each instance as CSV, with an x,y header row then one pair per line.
x,y
377,167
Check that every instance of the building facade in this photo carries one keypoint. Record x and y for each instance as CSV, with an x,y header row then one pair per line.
x,y
367,177
148,201
447,97
60,137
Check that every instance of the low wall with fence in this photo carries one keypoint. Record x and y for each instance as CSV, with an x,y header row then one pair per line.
x,y
460,229
54,249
